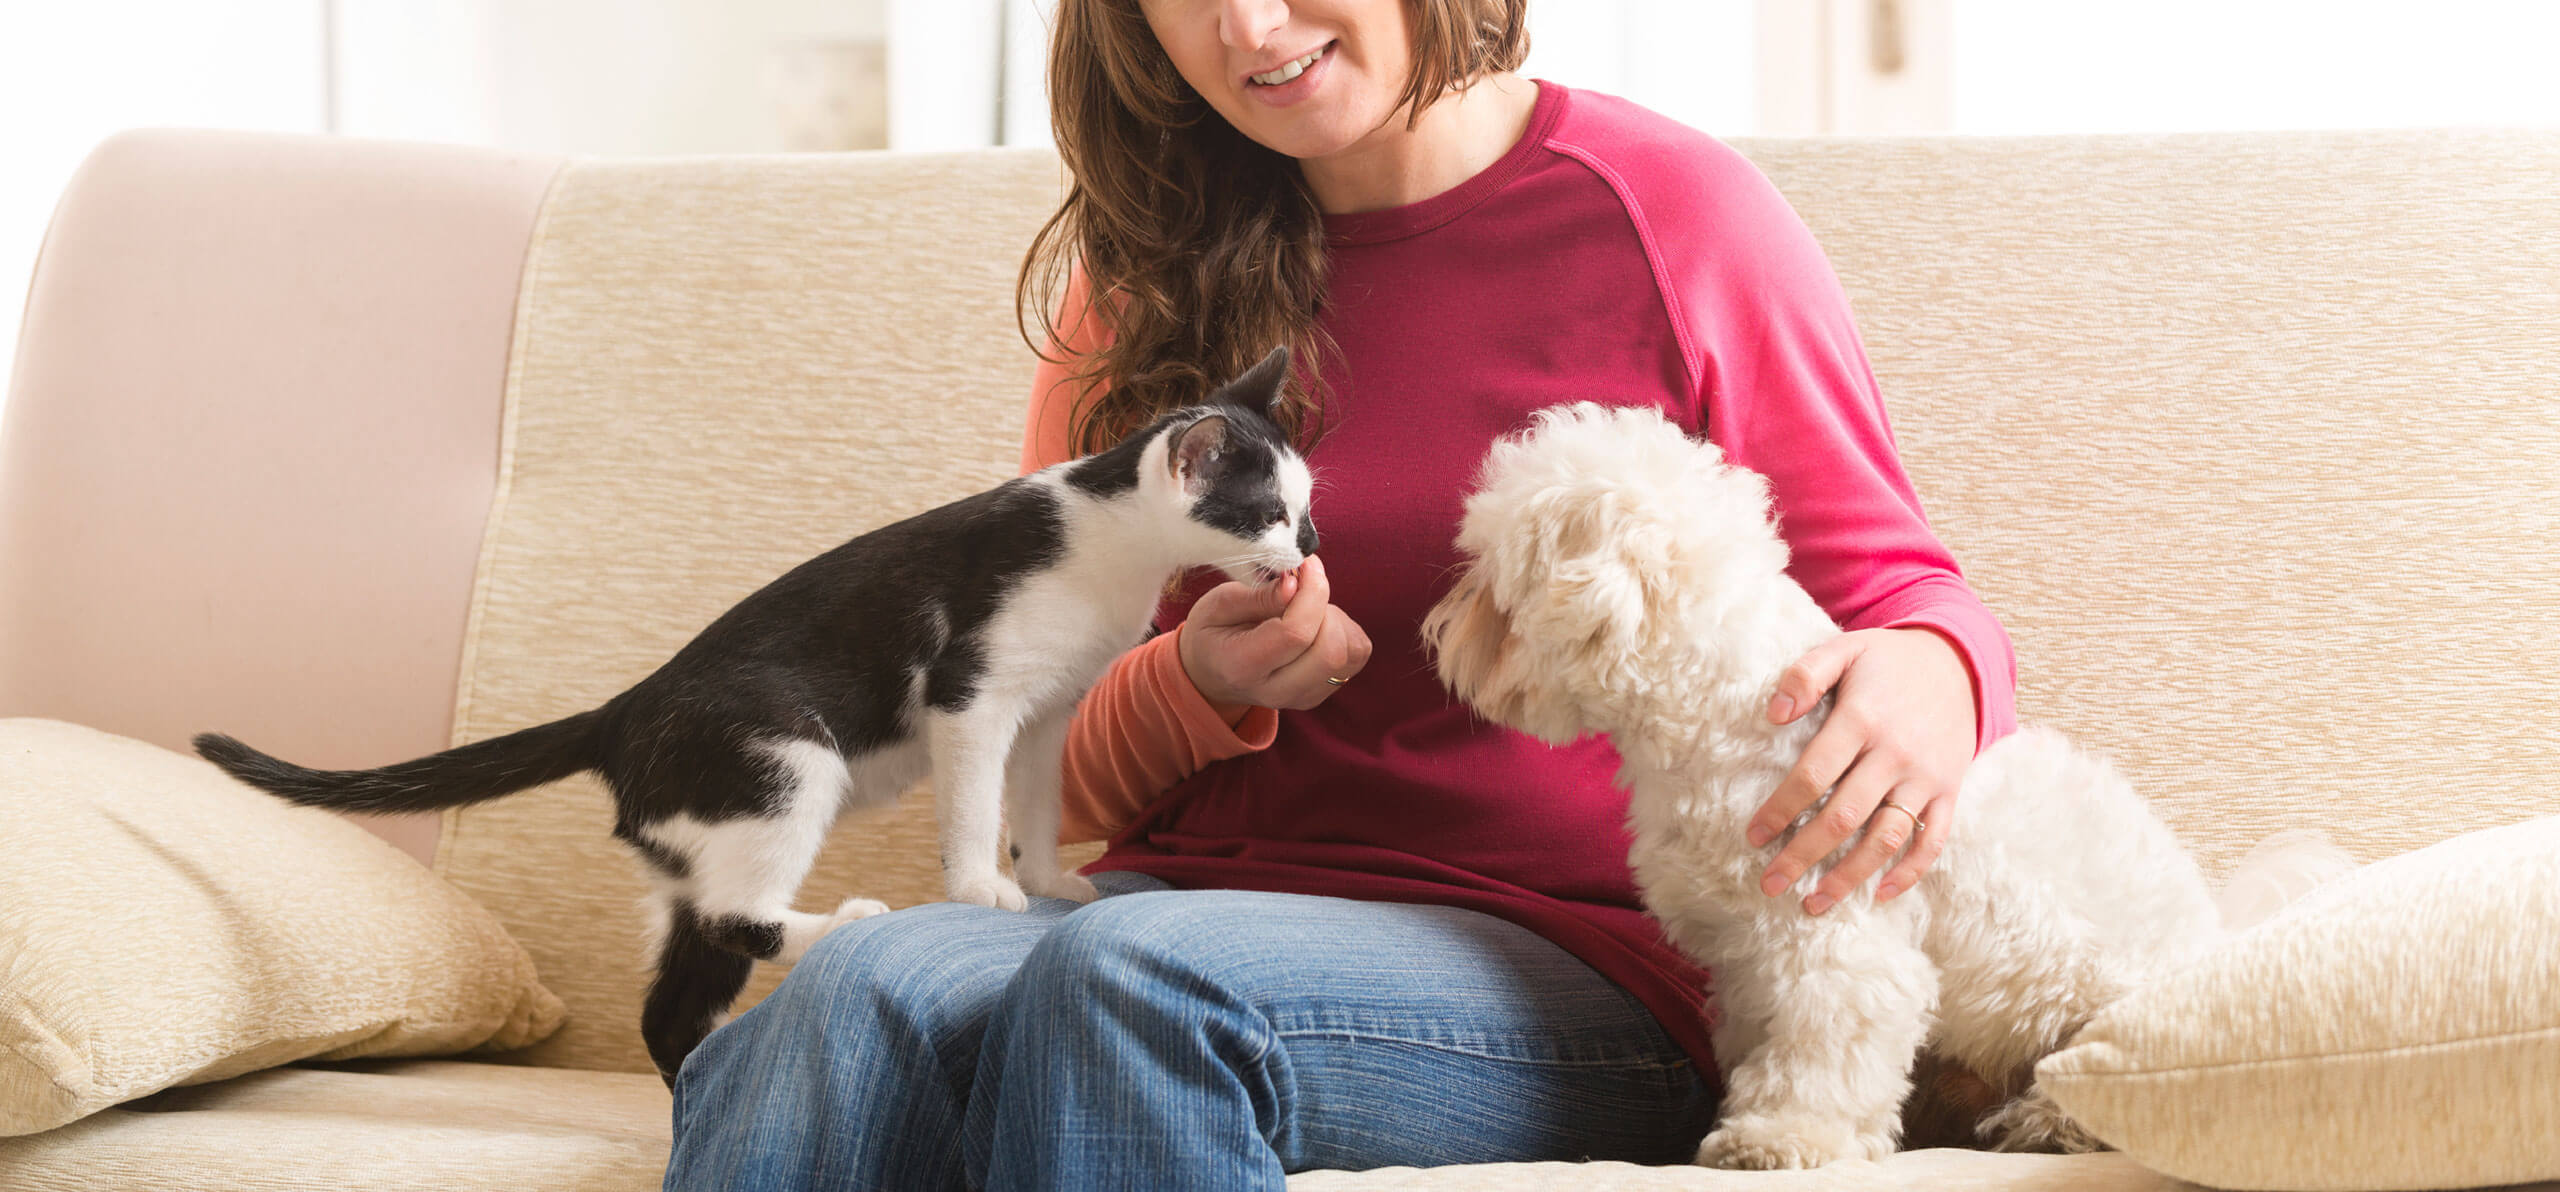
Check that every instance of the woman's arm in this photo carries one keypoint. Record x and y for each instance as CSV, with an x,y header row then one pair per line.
x,y
1926,676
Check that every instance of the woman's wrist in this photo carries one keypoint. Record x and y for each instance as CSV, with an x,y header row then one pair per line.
x,y
1231,711
1969,689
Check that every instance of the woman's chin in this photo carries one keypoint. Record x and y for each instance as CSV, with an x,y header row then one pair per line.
x,y
1291,134
1323,127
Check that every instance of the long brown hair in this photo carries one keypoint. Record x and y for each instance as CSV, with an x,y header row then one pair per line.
x,y
1200,249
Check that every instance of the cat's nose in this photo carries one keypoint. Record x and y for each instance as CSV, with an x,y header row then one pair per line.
x,y
1307,537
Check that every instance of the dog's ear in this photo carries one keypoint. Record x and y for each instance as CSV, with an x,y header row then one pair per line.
x,y
1468,638
1606,565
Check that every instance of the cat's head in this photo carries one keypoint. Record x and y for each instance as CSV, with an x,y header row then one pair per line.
x,y
1233,492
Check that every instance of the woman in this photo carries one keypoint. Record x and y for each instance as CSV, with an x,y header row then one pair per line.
x,y
1345,923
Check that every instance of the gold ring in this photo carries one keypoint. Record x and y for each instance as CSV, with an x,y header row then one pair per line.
x,y
1889,804
1336,682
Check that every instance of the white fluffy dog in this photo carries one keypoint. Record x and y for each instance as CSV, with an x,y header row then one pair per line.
x,y
1626,580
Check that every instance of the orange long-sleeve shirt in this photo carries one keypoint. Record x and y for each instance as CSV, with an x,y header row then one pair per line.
x,y
1144,726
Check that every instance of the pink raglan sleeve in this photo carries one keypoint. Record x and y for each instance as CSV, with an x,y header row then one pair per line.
x,y
1144,726
1786,390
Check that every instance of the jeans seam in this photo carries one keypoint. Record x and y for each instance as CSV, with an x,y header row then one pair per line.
x,y
1485,1053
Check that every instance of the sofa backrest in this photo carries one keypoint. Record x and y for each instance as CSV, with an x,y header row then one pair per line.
x,y
2251,441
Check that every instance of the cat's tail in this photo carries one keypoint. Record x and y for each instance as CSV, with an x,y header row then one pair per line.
x,y
472,773
2283,867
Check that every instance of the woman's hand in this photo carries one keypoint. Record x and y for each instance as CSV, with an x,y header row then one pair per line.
x,y
1901,726
1273,646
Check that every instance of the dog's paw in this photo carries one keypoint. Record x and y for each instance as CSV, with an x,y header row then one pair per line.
x,y
1071,886
1756,1143
993,889
2034,1123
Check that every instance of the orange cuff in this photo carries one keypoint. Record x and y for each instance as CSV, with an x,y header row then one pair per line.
x,y
1142,729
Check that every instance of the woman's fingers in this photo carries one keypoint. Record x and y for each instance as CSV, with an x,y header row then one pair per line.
x,y
1842,815
1813,676
1938,820
1340,650
1900,725
1279,641
1274,646
1893,823
1825,759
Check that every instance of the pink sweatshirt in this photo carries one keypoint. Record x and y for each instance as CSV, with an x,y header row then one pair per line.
x,y
1611,255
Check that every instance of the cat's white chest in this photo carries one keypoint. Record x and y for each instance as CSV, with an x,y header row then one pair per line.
x,y
1062,628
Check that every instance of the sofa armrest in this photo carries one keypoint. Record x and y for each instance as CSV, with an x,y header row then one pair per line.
x,y
251,439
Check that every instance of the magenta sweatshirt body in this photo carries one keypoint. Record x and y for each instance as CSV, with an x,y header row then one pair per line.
x,y
1612,255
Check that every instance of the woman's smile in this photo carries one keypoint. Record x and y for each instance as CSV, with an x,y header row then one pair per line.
x,y
1292,81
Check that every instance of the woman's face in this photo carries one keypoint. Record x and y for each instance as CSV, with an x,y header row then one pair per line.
x,y
1351,59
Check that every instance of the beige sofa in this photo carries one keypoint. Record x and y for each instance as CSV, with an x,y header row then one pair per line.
x,y
359,449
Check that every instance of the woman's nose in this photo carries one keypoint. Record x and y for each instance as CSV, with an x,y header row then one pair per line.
x,y
1247,24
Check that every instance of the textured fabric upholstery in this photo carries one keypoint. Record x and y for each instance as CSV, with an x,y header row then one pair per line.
x,y
2252,441
161,924
364,1126
2395,1028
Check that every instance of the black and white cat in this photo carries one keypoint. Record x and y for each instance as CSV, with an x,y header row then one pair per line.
x,y
954,643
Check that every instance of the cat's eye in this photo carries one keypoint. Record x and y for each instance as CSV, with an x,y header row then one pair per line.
x,y
1276,517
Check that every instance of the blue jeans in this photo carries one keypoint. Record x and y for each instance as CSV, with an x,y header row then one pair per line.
x,y
1163,1038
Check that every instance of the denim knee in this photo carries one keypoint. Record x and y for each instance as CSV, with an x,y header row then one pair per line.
x,y
1116,940
899,971
1134,994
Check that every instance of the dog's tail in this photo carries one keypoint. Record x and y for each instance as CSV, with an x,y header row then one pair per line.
x,y
2282,868
473,773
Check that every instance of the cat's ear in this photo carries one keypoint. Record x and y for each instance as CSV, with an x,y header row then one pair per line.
x,y
1198,450
1260,387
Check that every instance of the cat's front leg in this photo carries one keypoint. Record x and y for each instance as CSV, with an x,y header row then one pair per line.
x,y
970,746
1031,789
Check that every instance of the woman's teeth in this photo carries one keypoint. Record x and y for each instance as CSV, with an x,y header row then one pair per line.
x,y
1288,71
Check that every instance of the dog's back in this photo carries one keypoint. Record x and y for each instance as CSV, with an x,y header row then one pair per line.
x,y
2067,821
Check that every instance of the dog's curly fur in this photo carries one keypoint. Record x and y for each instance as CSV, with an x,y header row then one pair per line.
x,y
1624,579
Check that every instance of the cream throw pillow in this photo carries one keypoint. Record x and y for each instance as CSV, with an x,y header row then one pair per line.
x,y
2396,1028
161,925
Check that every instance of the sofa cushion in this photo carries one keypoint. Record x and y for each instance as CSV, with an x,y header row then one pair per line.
x,y
366,1126
401,1125
2397,1028
161,924
1908,1171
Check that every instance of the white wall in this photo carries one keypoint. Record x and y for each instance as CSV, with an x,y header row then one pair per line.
x,y
2035,66
601,77
945,57
1691,60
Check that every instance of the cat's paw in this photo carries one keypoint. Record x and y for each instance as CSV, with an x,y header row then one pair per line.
x,y
852,909
1756,1143
994,889
1071,886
